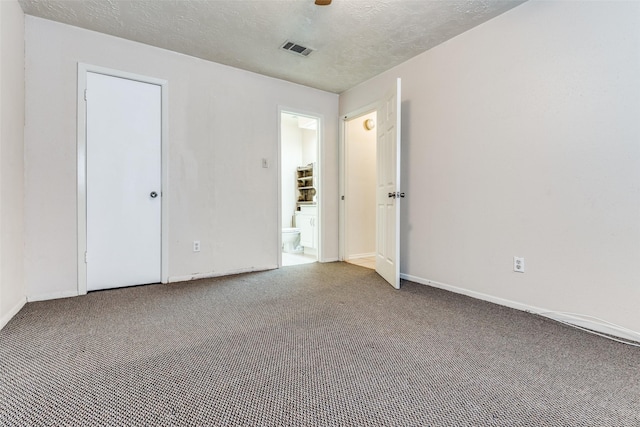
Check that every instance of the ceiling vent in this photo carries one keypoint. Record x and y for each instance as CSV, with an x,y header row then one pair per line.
x,y
296,48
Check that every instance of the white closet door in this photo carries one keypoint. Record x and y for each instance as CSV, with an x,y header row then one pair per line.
x,y
123,182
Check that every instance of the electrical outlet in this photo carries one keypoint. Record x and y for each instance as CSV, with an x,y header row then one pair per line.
x,y
196,246
518,264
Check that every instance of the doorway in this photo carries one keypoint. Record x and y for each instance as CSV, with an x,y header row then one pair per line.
x,y
360,190
299,188
121,175
387,183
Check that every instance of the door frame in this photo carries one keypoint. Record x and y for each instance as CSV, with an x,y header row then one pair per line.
x,y
319,163
81,173
344,174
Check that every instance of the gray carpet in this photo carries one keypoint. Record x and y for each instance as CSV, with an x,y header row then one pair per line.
x,y
310,345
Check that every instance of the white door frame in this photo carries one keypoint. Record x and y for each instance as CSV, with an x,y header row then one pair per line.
x,y
319,163
83,69
344,174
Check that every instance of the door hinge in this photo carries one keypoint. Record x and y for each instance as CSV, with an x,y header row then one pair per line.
x,y
86,257
85,94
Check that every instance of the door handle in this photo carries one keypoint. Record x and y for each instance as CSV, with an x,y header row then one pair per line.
x,y
392,195
153,194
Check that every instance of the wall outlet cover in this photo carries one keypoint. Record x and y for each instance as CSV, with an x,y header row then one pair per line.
x,y
518,264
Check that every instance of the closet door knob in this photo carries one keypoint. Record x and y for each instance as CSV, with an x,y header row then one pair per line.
x,y
153,194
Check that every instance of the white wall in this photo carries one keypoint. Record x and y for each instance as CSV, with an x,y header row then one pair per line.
x,y
291,137
309,146
218,191
520,137
360,188
12,291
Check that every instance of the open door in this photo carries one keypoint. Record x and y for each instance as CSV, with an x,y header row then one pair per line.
x,y
388,188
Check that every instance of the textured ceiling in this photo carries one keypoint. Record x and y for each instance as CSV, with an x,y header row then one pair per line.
x,y
354,40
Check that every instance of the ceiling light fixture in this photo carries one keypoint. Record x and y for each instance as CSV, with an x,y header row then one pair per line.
x,y
369,124
323,2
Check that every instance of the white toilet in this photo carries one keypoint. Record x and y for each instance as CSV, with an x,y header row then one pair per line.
x,y
291,241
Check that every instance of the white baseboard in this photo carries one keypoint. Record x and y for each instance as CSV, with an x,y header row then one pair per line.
x,y
196,276
52,295
593,324
329,260
12,312
582,321
473,294
358,256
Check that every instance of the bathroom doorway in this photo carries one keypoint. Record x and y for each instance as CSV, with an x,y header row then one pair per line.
x,y
300,191
359,214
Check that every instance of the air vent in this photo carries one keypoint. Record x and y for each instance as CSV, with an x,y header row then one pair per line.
x,y
296,48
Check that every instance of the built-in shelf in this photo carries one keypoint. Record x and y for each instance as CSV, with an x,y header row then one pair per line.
x,y
305,184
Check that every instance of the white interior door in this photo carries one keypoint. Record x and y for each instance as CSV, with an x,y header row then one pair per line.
x,y
387,188
123,182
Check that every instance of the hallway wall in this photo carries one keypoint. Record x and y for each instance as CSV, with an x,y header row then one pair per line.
x,y
360,164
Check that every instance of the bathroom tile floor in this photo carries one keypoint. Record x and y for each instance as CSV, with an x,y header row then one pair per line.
x,y
297,259
369,262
